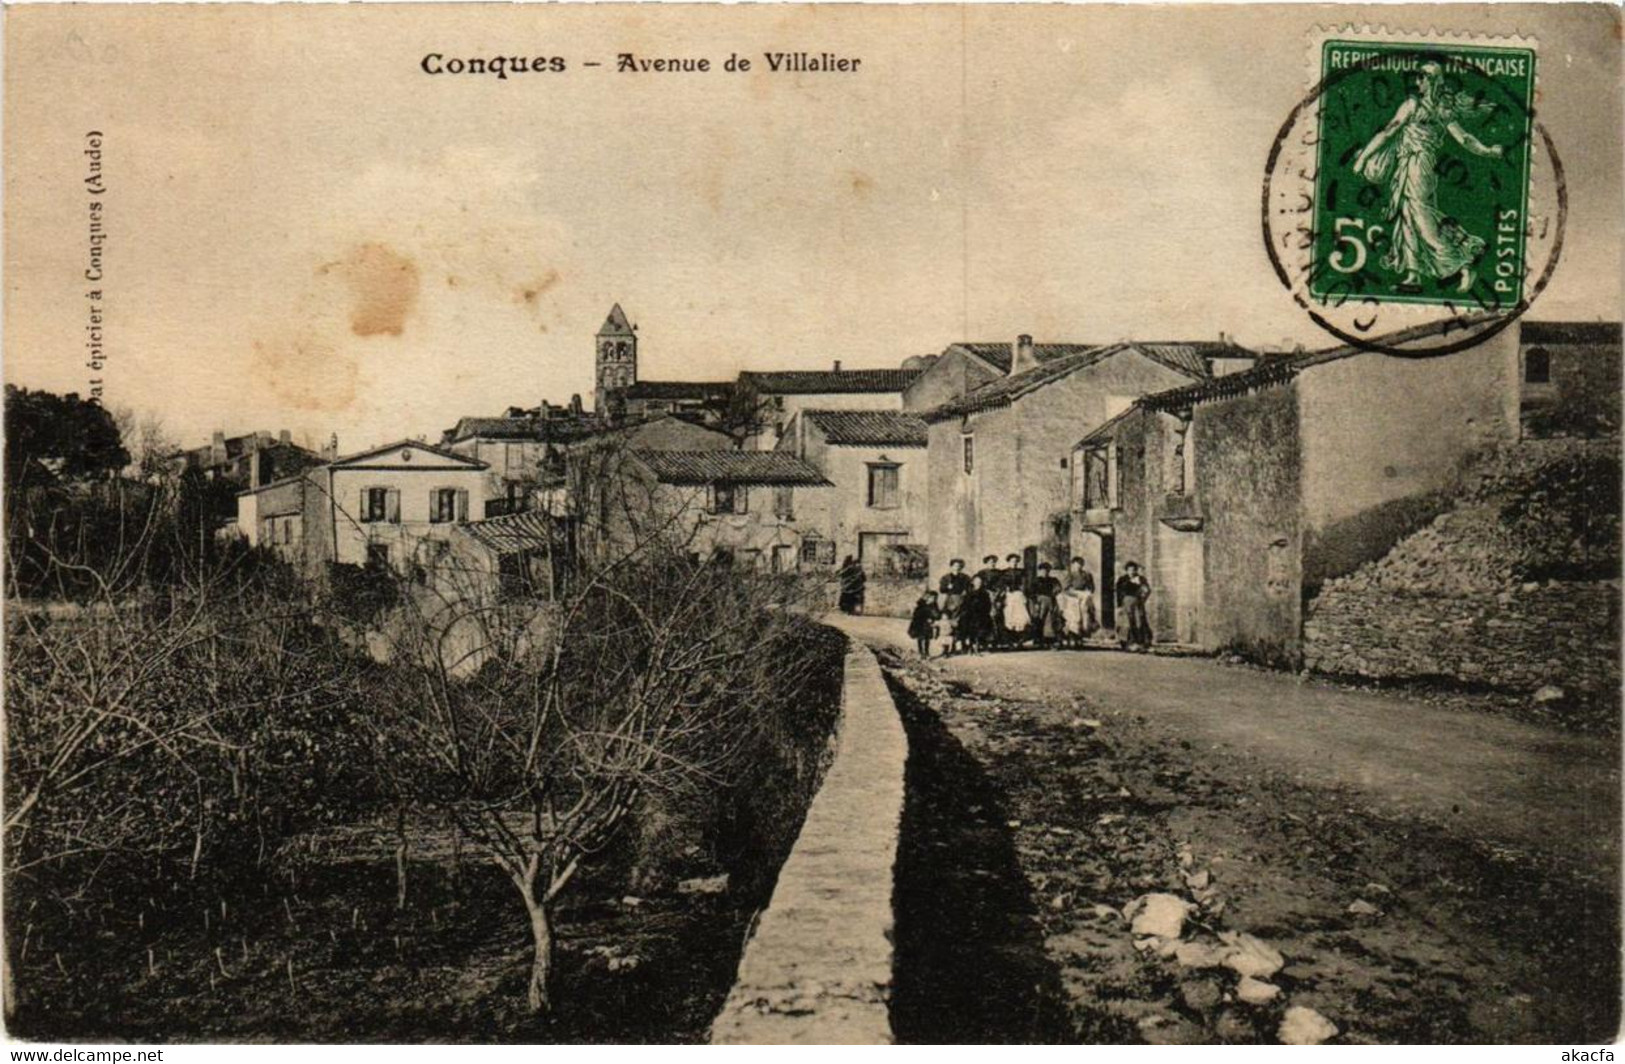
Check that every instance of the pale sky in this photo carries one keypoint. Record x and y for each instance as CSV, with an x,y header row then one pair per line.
x,y
306,231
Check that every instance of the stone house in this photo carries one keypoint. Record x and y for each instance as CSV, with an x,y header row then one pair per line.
x,y
876,462
396,505
775,397
1241,494
1570,378
746,506
999,456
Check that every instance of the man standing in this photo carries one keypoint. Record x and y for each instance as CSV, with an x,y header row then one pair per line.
x,y
1077,602
1041,603
1132,592
953,588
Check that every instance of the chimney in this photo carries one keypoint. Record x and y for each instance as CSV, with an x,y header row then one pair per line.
x,y
575,405
1022,357
331,451
217,449
285,438
837,365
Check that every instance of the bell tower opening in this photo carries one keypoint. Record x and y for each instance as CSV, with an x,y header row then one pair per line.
x,y
616,358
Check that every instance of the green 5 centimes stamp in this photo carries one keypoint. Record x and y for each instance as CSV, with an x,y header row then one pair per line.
x,y
1422,174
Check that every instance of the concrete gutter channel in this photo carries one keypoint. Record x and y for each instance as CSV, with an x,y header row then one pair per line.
x,y
818,969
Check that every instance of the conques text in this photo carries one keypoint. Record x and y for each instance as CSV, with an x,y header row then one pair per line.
x,y
504,66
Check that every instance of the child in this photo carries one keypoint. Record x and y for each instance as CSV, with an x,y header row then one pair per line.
x,y
923,625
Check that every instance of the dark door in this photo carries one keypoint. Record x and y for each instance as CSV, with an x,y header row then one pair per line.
x,y
1108,582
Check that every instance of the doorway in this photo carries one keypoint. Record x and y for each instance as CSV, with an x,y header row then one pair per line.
x,y
1177,586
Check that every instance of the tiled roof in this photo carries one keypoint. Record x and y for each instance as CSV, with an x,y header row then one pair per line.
x,y
1108,427
875,428
1182,358
1190,357
494,428
1278,369
1186,356
1570,332
729,467
829,382
679,390
524,428
998,355
512,533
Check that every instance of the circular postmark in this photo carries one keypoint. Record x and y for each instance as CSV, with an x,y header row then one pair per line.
x,y
1412,203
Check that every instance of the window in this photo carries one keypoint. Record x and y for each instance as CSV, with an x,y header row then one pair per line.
x,y
1537,366
817,551
1100,477
729,499
380,504
784,502
378,555
883,481
447,505
970,454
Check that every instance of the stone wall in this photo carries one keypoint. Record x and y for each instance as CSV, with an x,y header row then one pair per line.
x,y
1247,481
1562,634
818,969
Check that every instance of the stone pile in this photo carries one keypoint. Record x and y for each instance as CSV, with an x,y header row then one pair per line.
x,y
1223,966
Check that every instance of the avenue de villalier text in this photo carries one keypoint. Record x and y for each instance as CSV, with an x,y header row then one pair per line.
x,y
502,66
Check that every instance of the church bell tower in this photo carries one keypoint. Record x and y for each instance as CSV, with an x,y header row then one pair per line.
x,y
616,355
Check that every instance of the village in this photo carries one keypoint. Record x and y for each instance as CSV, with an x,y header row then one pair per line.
x,y
1240,483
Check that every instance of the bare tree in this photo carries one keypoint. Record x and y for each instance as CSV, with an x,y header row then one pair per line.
x,y
536,722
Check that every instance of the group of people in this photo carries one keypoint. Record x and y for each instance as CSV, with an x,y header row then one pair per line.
x,y
1008,607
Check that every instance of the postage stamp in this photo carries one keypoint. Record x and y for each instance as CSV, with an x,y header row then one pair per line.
x,y
1423,180
1415,186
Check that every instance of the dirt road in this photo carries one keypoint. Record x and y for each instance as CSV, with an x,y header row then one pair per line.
x,y
1497,779
1427,874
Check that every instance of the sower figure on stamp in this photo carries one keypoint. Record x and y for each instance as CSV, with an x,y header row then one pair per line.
x,y
1132,592
1404,155
1042,591
953,587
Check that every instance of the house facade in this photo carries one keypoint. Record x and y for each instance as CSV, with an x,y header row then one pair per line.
x,y
748,507
875,461
394,506
999,457
1240,495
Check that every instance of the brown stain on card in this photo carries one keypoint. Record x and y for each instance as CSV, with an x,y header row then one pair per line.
x,y
383,286
306,372
532,291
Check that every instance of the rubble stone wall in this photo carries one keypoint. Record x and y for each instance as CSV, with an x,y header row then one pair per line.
x,y
1564,634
